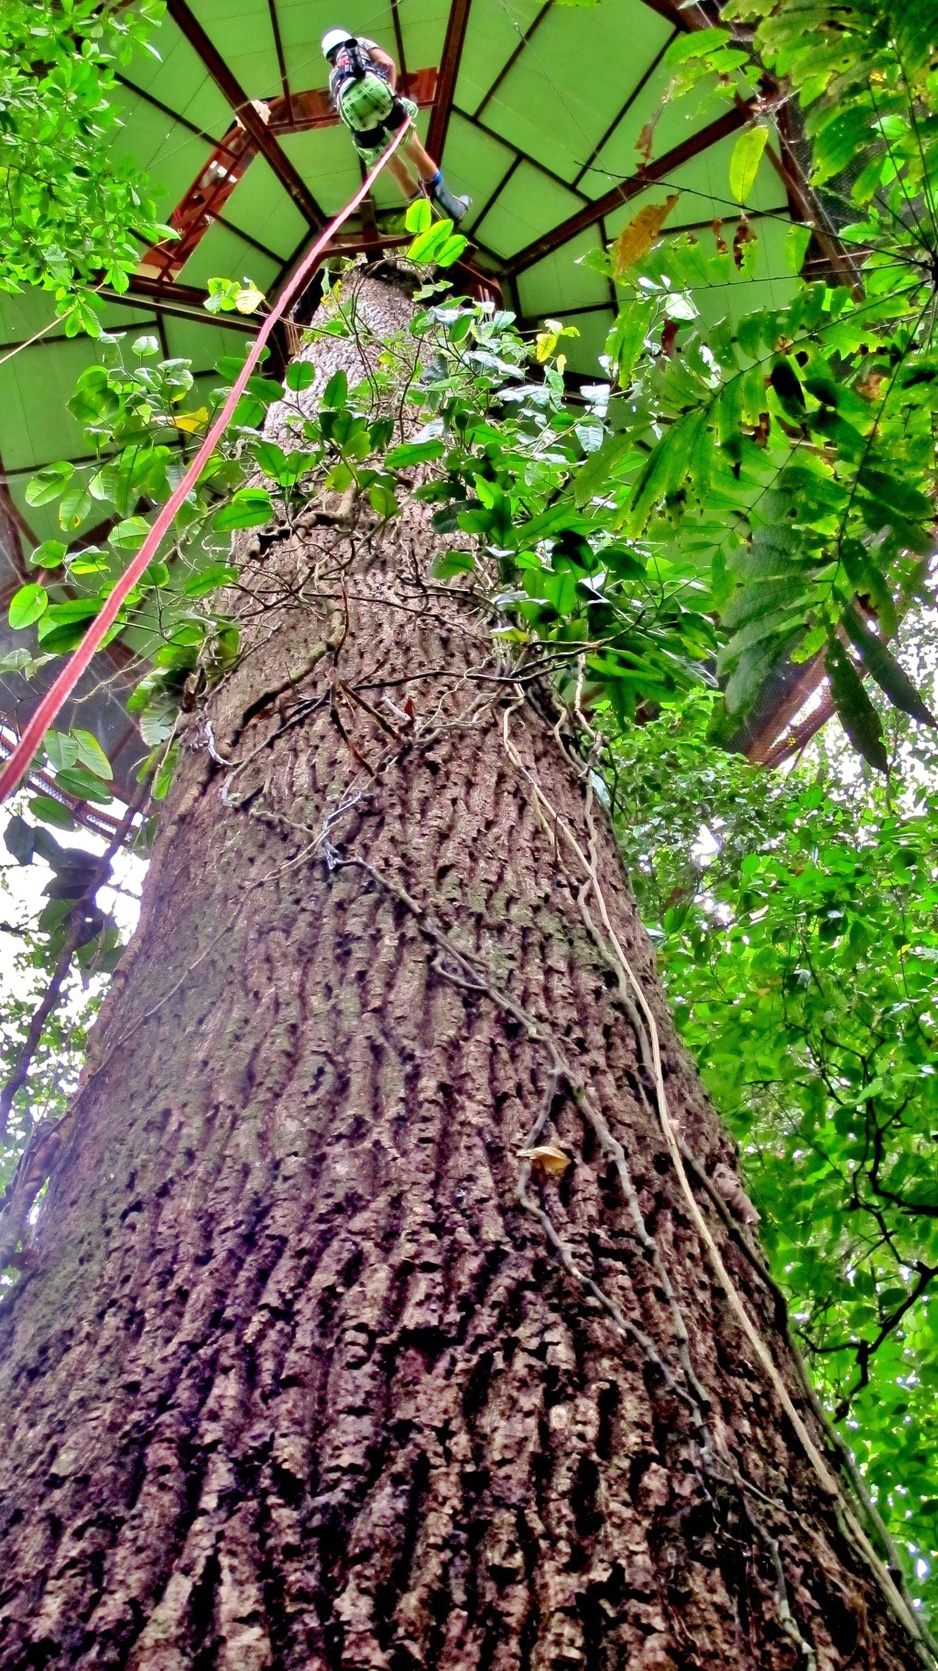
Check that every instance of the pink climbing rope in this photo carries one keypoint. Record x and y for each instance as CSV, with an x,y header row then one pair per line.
x,y
22,757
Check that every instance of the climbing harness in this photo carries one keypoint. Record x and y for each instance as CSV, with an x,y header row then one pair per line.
x,y
77,664
364,98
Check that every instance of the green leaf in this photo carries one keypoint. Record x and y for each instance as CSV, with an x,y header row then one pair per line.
x,y
49,811
49,555
91,754
599,467
336,391
250,507
129,534
882,665
82,784
664,468
383,500
745,160
413,452
49,483
452,563
854,708
76,503
19,839
210,579
27,605
898,496
419,215
454,247
300,374
426,249
61,748
797,240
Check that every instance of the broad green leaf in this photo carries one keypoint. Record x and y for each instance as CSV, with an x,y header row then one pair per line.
x,y
452,563
336,390
413,452
27,605
300,374
250,507
129,534
210,579
745,160
427,246
854,708
49,483
881,663
19,839
91,754
454,247
49,811
419,215
62,749
82,784
796,247
382,500
600,466
49,555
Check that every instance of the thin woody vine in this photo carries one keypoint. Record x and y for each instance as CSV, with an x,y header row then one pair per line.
x,y
723,497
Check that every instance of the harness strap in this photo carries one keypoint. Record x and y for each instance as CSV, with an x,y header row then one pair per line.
x,y
369,137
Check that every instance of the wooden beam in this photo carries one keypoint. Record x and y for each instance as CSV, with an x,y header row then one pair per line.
x,y
167,110
183,300
278,45
399,40
520,155
639,87
730,122
446,80
218,69
494,196
515,55
683,18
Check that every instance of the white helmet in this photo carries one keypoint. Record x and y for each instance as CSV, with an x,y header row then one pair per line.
x,y
334,38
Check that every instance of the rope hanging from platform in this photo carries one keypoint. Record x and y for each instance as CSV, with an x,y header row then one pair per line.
x,y
50,706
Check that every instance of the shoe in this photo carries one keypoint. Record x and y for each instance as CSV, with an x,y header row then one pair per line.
x,y
448,204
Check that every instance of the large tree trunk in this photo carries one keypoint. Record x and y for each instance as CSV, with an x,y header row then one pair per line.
x,y
297,1379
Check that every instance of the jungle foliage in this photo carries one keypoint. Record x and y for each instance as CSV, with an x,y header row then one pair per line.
x,y
70,206
796,917
736,490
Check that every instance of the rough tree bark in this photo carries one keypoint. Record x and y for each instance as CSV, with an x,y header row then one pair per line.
x,y
296,1381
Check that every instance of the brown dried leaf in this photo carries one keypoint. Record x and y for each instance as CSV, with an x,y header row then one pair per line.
x,y
645,141
722,245
744,236
870,384
546,1155
636,239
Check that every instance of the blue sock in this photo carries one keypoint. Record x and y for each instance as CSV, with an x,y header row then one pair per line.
x,y
436,179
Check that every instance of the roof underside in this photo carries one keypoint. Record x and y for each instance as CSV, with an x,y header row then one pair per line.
x,y
537,109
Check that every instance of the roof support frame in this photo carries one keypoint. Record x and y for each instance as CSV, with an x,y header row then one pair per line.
x,y
449,73
399,39
522,156
639,87
167,110
266,143
730,122
494,196
278,47
510,62
181,301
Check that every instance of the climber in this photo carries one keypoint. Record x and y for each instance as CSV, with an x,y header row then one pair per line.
x,y
363,85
